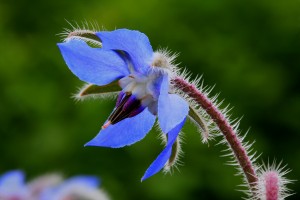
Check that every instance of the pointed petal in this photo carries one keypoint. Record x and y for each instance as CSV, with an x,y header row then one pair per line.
x,y
93,65
125,132
164,156
172,109
135,43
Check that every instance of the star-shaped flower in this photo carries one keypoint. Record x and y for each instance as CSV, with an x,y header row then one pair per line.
x,y
126,59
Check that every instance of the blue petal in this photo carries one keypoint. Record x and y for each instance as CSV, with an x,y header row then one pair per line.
x,y
135,43
90,181
12,182
172,109
60,191
164,156
155,85
93,65
125,132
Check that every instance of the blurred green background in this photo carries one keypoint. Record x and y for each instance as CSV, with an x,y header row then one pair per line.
x,y
249,49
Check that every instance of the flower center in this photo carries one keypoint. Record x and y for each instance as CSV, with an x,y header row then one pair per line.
x,y
127,106
137,94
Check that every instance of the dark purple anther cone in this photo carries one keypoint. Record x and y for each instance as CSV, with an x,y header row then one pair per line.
x,y
127,106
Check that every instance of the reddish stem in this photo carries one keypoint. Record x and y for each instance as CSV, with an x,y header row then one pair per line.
x,y
224,126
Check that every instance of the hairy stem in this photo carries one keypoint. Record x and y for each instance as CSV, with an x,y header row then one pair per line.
x,y
224,126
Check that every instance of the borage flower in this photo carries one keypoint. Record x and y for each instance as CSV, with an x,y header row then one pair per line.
x,y
126,59
75,188
49,187
12,186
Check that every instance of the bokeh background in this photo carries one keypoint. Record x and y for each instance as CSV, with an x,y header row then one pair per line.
x,y
249,49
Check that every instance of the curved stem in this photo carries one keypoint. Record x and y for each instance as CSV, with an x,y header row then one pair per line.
x,y
224,126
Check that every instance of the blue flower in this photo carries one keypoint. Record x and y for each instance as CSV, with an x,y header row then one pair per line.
x,y
49,187
127,57
78,187
12,186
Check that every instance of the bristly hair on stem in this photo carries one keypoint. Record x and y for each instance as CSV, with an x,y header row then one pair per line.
x,y
238,149
261,182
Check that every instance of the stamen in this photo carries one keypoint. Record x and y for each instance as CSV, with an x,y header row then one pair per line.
x,y
127,106
106,124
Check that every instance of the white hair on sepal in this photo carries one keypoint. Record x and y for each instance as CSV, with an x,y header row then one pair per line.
x,y
203,122
164,60
176,153
85,26
161,135
78,96
84,32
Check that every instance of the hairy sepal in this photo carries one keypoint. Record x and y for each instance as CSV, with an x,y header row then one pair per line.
x,y
174,159
83,33
94,91
201,123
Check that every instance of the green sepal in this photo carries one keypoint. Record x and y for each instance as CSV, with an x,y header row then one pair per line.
x,y
85,35
99,90
200,122
174,153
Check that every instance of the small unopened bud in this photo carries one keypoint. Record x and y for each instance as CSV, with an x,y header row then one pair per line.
x,y
272,183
